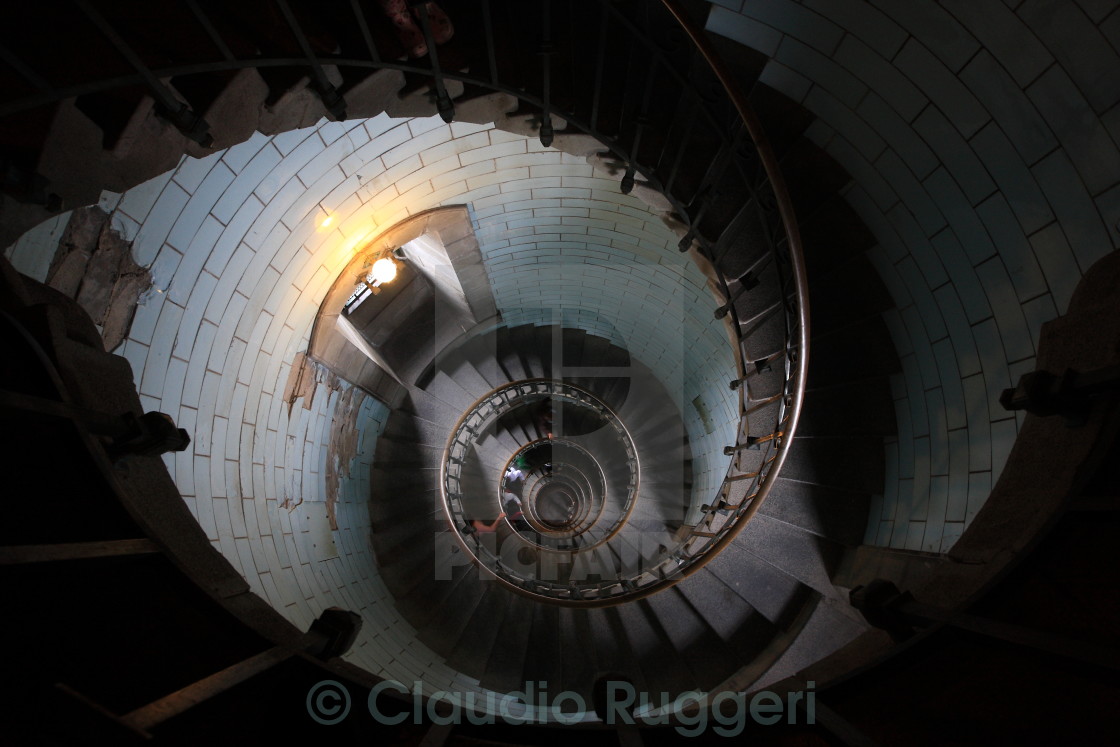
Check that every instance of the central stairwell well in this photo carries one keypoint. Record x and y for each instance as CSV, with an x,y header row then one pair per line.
x,y
736,587
757,604
744,608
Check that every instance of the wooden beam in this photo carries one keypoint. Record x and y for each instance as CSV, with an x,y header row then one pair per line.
x,y
21,554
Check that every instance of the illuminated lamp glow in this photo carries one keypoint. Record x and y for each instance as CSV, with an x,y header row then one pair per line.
x,y
383,271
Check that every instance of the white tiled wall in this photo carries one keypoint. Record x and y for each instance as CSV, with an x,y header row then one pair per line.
x,y
983,142
241,261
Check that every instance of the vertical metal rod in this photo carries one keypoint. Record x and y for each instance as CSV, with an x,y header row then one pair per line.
x,y
574,53
444,106
722,311
673,125
360,17
185,120
626,97
600,62
684,140
640,125
491,57
24,71
546,71
714,173
212,32
332,99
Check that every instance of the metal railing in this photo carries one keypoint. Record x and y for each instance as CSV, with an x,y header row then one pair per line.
x,y
507,563
643,80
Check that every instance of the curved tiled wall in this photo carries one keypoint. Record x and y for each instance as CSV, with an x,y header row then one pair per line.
x,y
241,255
982,141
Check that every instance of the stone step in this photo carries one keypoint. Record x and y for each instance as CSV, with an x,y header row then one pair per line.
x,y
467,377
543,658
702,650
661,665
451,614
505,664
827,630
838,515
451,393
807,557
480,636
509,359
776,595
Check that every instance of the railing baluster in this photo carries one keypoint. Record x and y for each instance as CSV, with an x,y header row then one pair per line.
x,y
640,124
600,63
709,190
752,443
24,71
178,113
626,95
491,57
329,95
547,131
684,141
215,37
363,27
444,106
747,282
760,366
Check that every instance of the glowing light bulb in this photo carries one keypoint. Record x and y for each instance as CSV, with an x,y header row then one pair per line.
x,y
383,271
326,221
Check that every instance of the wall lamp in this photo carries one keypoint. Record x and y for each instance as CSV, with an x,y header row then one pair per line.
x,y
383,271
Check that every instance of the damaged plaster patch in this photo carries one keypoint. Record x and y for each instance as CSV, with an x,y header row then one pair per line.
x,y
93,264
306,377
343,447
301,382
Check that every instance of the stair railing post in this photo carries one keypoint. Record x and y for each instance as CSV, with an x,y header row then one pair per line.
x,y
444,105
331,98
178,113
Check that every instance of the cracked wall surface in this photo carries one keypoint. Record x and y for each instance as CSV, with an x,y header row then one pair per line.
x,y
241,254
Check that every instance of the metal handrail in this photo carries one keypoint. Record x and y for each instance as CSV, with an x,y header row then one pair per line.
x,y
530,515
485,411
796,358
741,142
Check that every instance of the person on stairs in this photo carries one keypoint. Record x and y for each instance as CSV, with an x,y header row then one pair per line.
x,y
516,517
482,527
516,473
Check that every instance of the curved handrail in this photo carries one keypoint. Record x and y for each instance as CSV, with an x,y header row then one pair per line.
x,y
530,515
797,322
473,421
760,183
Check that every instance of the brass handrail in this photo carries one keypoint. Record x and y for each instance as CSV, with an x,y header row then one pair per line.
x,y
724,516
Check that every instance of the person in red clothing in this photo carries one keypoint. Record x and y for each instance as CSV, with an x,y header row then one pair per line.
x,y
483,528
407,25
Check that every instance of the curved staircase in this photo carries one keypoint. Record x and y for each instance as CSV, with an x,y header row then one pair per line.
x,y
766,606
770,587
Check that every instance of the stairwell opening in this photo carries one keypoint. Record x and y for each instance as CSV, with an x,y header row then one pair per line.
x,y
245,273
1057,168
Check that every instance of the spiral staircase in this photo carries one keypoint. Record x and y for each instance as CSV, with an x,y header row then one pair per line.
x,y
754,605
766,588
756,608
